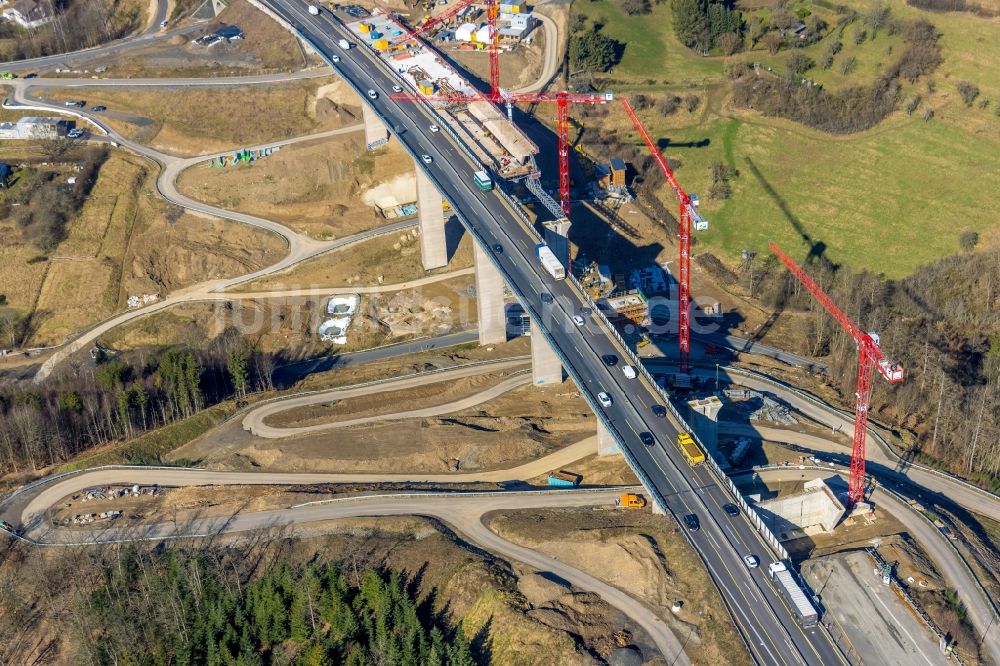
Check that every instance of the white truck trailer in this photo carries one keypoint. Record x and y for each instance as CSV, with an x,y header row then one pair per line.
x,y
549,262
794,595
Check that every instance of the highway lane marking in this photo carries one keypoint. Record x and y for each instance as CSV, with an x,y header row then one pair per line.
x,y
531,277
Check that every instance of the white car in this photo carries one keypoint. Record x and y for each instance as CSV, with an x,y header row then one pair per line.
x,y
372,94
434,128
752,561
628,371
397,89
335,58
578,320
163,23
74,133
427,159
604,399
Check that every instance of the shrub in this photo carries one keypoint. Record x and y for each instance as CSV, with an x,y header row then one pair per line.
x,y
848,65
826,62
912,104
634,7
967,91
968,240
799,63
859,36
668,105
692,102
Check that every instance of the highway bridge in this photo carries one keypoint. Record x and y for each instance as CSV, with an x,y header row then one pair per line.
x,y
505,249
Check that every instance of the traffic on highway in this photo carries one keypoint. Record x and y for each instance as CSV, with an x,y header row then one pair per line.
x,y
765,619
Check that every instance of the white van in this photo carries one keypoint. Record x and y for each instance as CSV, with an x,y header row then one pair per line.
x,y
628,371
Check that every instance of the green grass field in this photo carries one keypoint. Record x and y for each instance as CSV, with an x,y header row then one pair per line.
x,y
652,51
887,200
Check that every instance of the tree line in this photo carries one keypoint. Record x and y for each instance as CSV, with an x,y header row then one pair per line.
x,y
942,323
184,606
78,24
120,398
853,109
42,203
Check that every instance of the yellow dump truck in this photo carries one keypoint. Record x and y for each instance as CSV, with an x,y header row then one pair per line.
x,y
630,501
690,449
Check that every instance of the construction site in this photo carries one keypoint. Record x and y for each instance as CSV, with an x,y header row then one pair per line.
x,y
457,354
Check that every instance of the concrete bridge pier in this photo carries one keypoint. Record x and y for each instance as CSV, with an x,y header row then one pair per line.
x,y
489,296
545,365
607,445
433,241
376,133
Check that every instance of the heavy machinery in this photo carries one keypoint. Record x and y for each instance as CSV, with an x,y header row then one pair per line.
x,y
692,452
870,357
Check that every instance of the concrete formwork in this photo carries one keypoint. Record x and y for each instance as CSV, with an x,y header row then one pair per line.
x,y
545,365
489,299
433,242
816,509
705,423
376,133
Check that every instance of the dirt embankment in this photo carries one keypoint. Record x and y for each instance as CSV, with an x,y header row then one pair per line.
x,y
643,555
518,427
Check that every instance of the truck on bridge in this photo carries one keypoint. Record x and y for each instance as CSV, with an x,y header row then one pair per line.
x,y
483,180
802,608
549,262
692,452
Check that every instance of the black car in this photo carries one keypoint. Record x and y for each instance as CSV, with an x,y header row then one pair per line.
x,y
731,509
546,297
658,410
30,76
585,311
99,107
610,360
692,523
498,248
647,438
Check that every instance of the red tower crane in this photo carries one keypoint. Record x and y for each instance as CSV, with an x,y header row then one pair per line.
x,y
492,13
870,357
562,100
687,218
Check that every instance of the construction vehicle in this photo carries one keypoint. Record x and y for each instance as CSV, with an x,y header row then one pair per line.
x,y
692,452
483,180
630,501
549,262
564,479
793,593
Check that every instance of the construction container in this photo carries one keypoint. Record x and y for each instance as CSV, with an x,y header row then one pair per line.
x,y
381,44
564,479
364,27
426,87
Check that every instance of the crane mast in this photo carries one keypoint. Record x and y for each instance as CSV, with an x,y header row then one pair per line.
x,y
870,358
687,218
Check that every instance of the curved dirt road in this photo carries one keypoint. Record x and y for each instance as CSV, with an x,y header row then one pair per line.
x,y
254,422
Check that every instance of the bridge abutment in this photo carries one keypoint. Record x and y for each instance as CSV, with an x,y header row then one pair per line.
x,y
433,241
489,299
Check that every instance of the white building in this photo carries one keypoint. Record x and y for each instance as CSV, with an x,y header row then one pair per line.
x,y
28,13
464,32
516,25
34,127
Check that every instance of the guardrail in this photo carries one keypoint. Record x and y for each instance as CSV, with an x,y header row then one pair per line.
x,y
914,606
905,502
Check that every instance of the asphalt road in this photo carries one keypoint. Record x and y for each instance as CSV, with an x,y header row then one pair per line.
x,y
771,633
464,517
255,420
